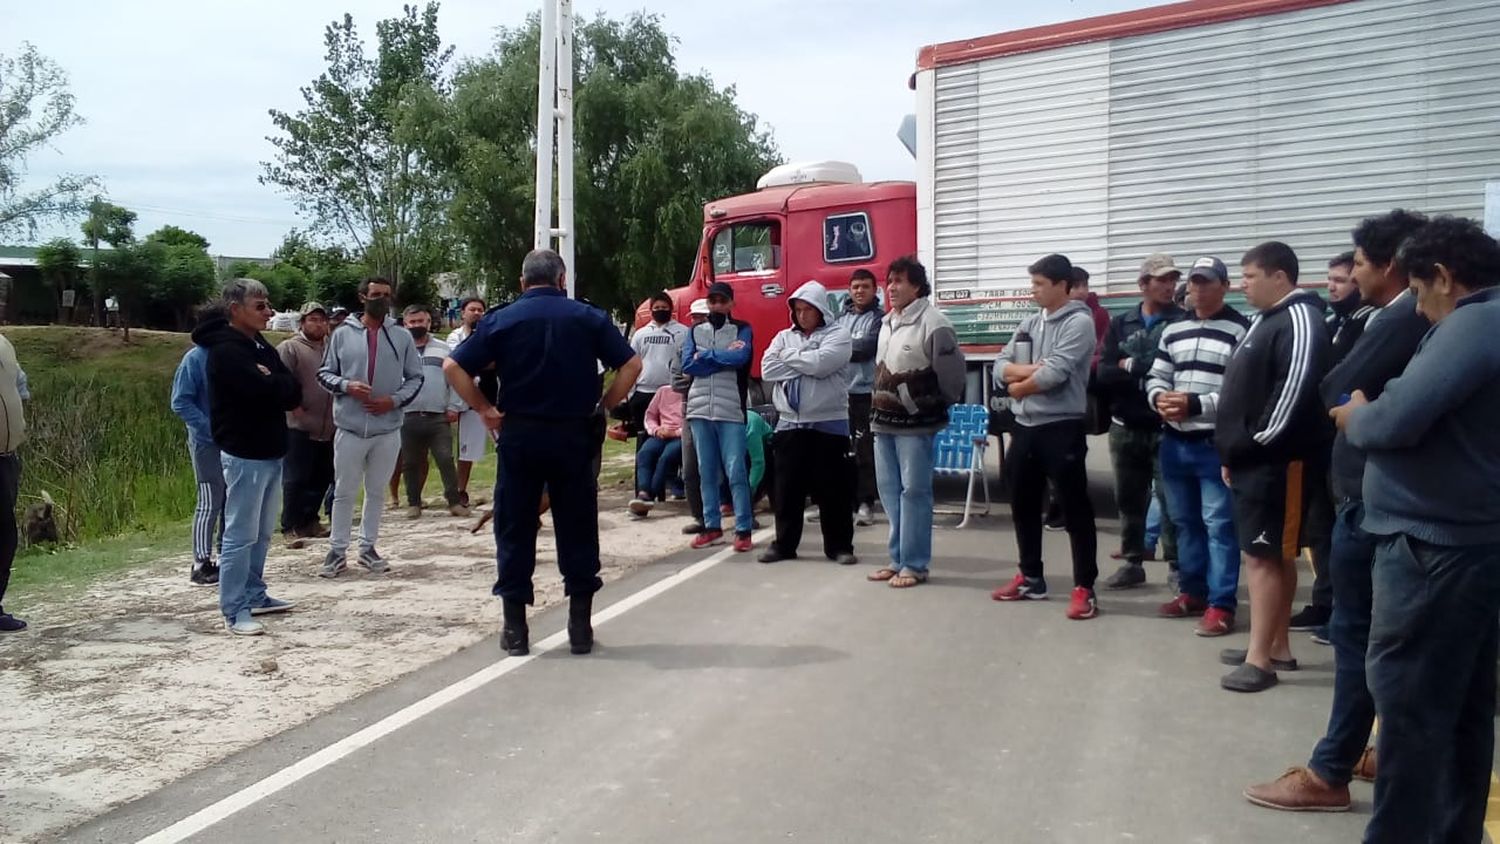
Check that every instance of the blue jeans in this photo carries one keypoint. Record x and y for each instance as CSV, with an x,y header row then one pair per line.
x,y
252,501
903,475
1353,710
1434,628
655,463
1153,520
1208,553
721,451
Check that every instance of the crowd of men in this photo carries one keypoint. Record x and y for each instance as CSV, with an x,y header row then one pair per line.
x,y
363,402
1363,428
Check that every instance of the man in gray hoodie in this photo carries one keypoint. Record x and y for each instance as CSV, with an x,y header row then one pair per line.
x,y
862,317
1049,395
374,371
808,366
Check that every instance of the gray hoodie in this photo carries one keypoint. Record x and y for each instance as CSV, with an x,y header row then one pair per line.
x,y
810,371
1063,343
864,332
398,374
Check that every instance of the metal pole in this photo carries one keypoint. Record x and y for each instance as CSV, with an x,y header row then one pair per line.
x,y
545,124
565,231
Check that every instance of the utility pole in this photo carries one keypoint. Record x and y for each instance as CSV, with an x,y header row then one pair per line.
x,y
554,124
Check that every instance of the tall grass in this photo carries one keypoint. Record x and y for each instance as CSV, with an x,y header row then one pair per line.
x,y
103,441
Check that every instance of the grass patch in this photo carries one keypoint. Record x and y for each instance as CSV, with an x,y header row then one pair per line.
x,y
66,570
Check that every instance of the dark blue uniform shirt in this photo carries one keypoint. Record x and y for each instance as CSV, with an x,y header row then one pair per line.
x,y
546,349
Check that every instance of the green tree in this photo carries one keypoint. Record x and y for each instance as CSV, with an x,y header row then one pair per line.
x,y
652,146
110,224
174,236
333,276
287,285
184,275
35,108
60,262
130,272
340,157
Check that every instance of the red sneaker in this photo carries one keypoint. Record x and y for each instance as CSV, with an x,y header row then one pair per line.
x,y
707,538
1215,622
1083,605
726,509
1021,589
1182,606
742,543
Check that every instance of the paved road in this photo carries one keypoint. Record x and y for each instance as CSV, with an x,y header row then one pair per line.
x,y
798,702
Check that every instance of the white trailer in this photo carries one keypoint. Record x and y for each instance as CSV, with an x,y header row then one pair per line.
x,y
1195,128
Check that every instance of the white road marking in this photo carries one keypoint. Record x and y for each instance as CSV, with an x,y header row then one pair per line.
x,y
309,765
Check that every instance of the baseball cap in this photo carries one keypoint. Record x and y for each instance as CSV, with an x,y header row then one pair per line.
x,y
310,307
1209,268
1158,265
699,307
719,288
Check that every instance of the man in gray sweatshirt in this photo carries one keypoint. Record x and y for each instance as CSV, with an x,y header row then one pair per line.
x,y
1432,499
861,317
374,371
1049,395
807,366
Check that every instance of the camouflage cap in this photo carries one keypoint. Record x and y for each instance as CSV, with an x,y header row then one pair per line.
x,y
1158,265
311,307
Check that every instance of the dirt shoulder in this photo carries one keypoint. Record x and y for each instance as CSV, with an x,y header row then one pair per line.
x,y
135,683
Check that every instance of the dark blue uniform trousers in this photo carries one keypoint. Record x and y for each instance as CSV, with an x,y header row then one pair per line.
x,y
557,455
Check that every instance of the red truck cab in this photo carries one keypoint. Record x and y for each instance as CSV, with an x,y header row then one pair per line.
x,y
800,226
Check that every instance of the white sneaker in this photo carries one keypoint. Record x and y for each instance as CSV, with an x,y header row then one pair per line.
x,y
244,625
863,517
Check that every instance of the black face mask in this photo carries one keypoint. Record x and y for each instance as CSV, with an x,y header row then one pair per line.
x,y
418,332
377,308
718,320
662,317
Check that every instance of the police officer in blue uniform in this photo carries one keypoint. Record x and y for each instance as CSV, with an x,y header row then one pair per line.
x,y
545,349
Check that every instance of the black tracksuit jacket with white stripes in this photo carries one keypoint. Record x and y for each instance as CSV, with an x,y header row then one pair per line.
x,y
1269,410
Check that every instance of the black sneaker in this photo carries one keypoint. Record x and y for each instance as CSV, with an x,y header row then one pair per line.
x,y
1127,576
1321,636
692,528
772,555
206,574
1310,618
11,624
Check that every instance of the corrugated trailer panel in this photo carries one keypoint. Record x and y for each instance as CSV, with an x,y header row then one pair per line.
x,y
1208,139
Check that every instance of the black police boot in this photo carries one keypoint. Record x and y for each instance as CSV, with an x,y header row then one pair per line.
x,y
514,636
580,630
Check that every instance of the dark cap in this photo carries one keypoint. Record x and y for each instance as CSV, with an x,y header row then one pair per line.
x,y
1209,268
719,288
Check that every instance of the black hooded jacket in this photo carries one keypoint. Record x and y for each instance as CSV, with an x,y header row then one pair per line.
x,y
246,407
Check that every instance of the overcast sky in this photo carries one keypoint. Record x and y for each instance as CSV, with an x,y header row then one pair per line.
x,y
175,92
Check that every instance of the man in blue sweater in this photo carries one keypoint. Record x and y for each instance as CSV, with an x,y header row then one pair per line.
x,y
1432,499
190,403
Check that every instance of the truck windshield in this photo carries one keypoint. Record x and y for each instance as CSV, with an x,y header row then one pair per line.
x,y
747,248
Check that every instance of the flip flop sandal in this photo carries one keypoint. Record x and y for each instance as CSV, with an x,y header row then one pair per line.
x,y
881,575
907,578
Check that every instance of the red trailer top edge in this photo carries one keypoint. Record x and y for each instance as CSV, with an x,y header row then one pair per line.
x,y
1103,27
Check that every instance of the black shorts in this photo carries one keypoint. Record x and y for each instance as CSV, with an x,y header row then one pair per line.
x,y
1268,509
